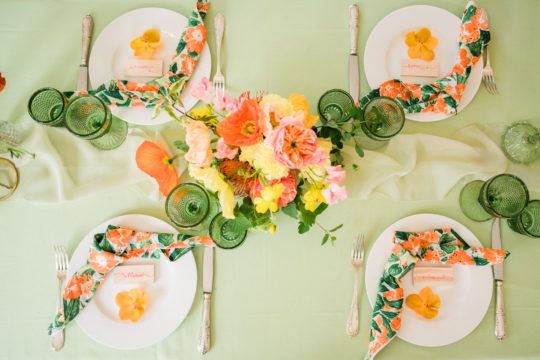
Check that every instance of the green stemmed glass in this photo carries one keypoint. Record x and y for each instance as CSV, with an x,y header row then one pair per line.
x,y
228,233
334,105
383,118
89,118
521,143
528,222
504,196
46,106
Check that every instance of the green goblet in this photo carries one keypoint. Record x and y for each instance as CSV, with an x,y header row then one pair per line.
x,y
89,118
46,106
528,221
334,105
228,233
504,196
383,118
521,143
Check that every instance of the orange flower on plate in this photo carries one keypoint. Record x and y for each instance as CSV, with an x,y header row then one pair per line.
x,y
242,127
421,44
132,304
146,44
2,82
426,303
155,161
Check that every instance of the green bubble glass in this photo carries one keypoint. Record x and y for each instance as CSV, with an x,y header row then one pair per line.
x,y
383,118
47,106
227,233
504,196
335,105
528,221
521,143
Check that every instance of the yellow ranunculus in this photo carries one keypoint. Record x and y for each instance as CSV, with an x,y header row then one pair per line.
x,y
213,181
313,196
268,198
299,102
261,157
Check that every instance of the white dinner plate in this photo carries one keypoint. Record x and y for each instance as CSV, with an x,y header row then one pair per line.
x,y
111,51
169,298
463,305
386,47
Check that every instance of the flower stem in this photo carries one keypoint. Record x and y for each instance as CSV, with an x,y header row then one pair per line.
x,y
174,158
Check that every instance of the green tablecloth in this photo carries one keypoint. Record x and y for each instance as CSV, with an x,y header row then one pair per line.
x,y
280,296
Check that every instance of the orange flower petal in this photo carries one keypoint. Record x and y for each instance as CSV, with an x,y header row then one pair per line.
x,y
426,303
136,313
2,82
149,158
410,39
137,43
423,35
414,301
415,51
431,43
426,54
123,298
125,312
151,35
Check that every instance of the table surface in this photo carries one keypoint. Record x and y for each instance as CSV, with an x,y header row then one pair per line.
x,y
280,296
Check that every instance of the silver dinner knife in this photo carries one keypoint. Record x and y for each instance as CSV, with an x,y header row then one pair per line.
x,y
87,25
353,56
208,279
500,326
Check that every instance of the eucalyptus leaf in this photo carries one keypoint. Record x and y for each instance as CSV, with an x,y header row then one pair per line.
x,y
181,145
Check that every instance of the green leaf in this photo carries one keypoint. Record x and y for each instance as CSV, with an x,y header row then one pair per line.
x,y
480,261
166,239
356,113
359,150
157,111
176,87
170,111
333,239
291,210
181,145
332,124
152,95
336,228
355,167
321,208
303,228
325,238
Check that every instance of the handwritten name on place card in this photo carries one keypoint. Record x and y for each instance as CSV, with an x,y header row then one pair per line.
x,y
128,274
415,67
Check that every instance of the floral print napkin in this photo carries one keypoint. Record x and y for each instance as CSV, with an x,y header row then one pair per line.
x,y
109,250
125,93
440,246
443,95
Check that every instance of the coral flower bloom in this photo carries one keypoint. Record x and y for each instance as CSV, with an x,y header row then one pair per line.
x,y
242,127
2,82
155,161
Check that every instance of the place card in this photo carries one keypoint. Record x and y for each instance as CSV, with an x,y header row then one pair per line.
x,y
435,276
143,68
417,67
129,274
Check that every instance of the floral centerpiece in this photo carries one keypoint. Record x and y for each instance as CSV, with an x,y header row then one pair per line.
x,y
259,155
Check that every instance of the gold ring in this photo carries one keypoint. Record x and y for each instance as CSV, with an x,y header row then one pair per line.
x,y
16,174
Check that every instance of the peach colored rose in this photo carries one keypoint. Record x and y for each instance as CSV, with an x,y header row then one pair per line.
x,y
198,140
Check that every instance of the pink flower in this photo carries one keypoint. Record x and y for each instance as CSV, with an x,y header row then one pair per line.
x,y
198,140
203,91
225,151
333,193
335,174
222,101
290,184
294,145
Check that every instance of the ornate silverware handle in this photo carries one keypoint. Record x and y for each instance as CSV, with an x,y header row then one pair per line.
x,y
500,325
353,26
219,25
57,339
87,26
204,336
352,323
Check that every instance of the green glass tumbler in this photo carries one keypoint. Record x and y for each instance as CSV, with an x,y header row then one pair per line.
x,y
528,221
469,204
335,105
383,118
227,233
504,196
89,118
521,143
47,106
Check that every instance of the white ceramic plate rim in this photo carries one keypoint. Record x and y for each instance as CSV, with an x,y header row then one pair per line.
x,y
410,18
414,329
122,335
118,34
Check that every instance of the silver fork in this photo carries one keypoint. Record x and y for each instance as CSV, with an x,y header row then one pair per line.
x,y
61,262
219,79
357,260
487,74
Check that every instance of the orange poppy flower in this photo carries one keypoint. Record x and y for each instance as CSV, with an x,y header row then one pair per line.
x,y
102,261
132,304
426,303
242,127
2,82
155,161
146,44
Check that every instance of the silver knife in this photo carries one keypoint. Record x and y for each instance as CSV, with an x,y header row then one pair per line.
x,y
208,279
500,326
353,56
87,25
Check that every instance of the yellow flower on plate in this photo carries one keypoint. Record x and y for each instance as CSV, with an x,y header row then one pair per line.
x,y
313,196
268,199
132,304
213,181
261,157
421,44
146,44
426,303
299,103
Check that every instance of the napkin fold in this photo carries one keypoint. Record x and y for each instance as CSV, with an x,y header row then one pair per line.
x,y
439,246
124,93
109,250
443,95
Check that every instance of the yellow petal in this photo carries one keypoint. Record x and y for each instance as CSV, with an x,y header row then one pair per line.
x,y
125,312
430,298
137,43
431,43
426,54
136,293
140,51
123,298
155,45
136,313
429,313
423,35
151,35
414,52
410,39
414,301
